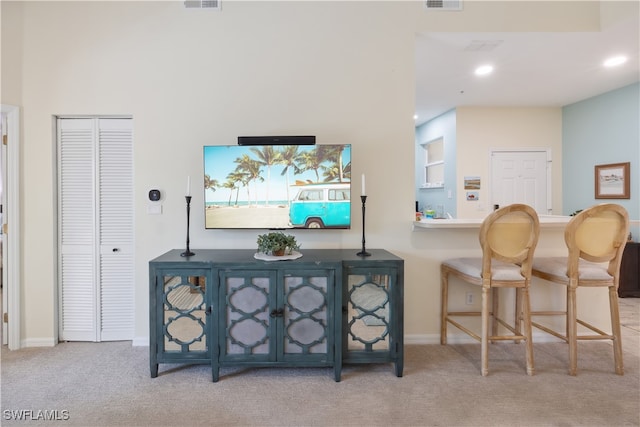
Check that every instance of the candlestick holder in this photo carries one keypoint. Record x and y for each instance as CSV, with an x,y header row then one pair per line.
x,y
363,252
188,251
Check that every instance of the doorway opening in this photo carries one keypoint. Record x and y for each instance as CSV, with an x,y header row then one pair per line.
x,y
11,226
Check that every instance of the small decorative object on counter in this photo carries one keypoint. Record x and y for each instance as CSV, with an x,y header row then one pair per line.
x,y
429,213
277,244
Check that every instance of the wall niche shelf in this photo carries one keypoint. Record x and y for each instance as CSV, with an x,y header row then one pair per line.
x,y
432,186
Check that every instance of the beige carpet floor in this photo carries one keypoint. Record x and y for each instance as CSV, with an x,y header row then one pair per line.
x,y
108,384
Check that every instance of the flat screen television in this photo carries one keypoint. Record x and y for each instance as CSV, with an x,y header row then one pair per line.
x,y
277,186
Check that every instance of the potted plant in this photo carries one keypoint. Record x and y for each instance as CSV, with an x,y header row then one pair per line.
x,y
277,243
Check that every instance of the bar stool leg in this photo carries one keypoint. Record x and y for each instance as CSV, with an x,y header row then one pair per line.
x,y
526,317
485,331
615,330
572,330
518,313
495,309
444,305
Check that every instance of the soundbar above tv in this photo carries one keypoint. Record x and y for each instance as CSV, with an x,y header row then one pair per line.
x,y
277,140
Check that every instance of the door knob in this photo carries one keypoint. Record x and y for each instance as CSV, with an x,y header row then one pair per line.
x,y
277,313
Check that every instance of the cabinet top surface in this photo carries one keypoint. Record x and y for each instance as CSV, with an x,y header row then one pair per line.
x,y
207,256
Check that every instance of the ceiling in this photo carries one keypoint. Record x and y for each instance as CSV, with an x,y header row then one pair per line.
x,y
530,69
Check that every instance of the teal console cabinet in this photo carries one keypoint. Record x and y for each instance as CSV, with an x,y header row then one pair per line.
x,y
225,308
373,320
180,314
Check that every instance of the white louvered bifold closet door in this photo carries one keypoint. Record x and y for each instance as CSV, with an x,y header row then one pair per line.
x,y
76,219
96,230
116,228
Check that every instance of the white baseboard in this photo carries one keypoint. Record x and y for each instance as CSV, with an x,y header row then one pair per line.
x,y
38,342
410,339
420,339
50,342
461,338
140,342
425,339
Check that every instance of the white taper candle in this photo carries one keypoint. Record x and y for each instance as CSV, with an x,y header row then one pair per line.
x,y
364,191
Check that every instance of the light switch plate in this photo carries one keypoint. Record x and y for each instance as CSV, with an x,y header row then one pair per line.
x,y
154,209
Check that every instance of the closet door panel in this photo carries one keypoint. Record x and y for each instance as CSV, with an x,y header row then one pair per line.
x,y
116,228
76,213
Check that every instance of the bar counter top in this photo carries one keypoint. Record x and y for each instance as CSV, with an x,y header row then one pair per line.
x,y
546,221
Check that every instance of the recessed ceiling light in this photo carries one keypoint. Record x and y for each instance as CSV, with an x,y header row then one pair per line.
x,y
415,117
483,70
615,61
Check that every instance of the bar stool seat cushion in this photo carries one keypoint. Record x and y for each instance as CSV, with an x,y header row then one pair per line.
x,y
556,268
500,270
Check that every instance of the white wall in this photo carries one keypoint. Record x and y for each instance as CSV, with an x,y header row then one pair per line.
x,y
343,71
481,129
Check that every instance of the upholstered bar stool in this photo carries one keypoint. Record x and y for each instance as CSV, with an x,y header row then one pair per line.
x,y
508,238
595,240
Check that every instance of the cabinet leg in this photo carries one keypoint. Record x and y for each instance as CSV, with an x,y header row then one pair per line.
x,y
215,373
337,373
154,370
399,368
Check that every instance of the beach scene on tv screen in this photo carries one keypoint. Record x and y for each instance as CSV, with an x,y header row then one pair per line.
x,y
277,186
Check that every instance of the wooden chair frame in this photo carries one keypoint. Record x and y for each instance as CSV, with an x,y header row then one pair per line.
x,y
508,238
595,235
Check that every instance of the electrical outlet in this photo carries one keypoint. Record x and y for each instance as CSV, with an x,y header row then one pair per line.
x,y
469,298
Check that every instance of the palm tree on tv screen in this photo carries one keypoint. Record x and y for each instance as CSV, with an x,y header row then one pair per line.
x,y
252,168
288,158
267,156
210,184
335,171
312,160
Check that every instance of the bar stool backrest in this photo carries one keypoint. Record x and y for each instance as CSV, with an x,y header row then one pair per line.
x,y
510,235
597,234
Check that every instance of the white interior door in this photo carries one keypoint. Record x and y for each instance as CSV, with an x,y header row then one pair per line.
x,y
520,177
95,228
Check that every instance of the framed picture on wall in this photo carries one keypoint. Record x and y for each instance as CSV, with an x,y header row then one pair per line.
x,y
612,181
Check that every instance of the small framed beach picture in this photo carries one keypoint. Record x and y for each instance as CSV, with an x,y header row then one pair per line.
x,y
612,181
471,182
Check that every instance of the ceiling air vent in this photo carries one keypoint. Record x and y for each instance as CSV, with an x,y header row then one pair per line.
x,y
202,4
443,4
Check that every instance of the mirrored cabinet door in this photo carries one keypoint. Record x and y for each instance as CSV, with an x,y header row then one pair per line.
x,y
180,316
372,314
369,321
247,305
184,306
306,303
